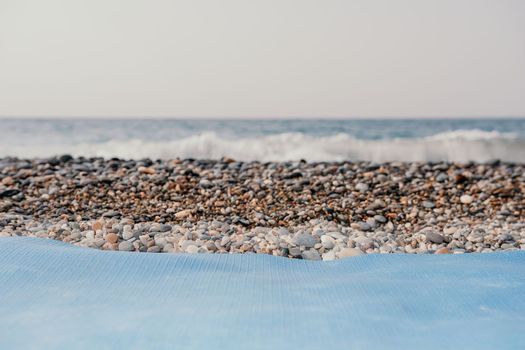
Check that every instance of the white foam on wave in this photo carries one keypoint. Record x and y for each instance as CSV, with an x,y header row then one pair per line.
x,y
472,135
459,145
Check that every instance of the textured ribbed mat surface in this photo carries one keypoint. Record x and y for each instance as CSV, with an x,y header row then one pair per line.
x,y
54,295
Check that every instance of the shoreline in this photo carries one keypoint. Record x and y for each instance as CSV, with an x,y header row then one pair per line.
x,y
326,210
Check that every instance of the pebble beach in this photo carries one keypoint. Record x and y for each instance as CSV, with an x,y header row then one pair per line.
x,y
305,210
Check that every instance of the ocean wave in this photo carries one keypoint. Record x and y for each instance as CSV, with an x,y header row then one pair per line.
x,y
459,145
472,135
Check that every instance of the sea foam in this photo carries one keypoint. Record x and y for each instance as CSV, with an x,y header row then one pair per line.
x,y
458,145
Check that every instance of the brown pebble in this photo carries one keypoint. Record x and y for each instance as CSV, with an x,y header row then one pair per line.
x,y
8,181
460,178
110,246
182,214
146,170
97,225
228,160
111,238
443,250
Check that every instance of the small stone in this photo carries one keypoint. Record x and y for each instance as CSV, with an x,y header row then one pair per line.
x,y
362,187
442,177
460,233
294,251
125,246
476,237
327,242
507,246
224,241
304,239
111,238
9,193
65,158
75,235
364,226
146,170
450,230
144,239
380,218
348,252
311,254
183,214
429,204
434,237
460,178
109,246
466,199
371,222
154,249
205,183
328,256
443,250
505,237
97,226
191,249
127,234
8,181
89,234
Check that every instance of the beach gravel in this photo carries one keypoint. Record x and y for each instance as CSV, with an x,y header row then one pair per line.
x,y
325,210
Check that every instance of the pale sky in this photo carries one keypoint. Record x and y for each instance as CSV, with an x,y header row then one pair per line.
x,y
268,58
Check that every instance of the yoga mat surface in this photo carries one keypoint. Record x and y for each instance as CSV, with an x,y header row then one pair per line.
x,y
57,296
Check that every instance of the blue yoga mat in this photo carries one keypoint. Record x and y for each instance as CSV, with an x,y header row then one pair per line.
x,y
56,296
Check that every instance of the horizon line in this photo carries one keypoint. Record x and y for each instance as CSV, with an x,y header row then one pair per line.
x,y
146,117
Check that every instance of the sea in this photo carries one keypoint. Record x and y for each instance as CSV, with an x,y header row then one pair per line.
x,y
461,140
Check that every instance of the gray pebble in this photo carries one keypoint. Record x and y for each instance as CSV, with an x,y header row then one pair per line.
x,y
125,246
380,218
304,239
362,187
434,237
429,204
311,254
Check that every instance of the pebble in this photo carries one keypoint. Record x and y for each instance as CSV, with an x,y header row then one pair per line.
x,y
192,249
441,177
466,199
225,240
205,183
380,218
434,237
9,193
443,250
476,237
183,214
111,214
364,226
362,187
127,235
304,239
328,256
125,246
328,242
97,225
146,170
450,230
348,252
111,238
429,204
8,181
154,249
294,252
311,254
